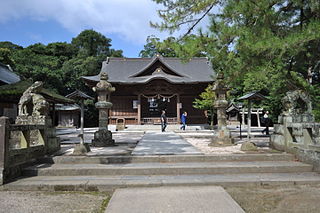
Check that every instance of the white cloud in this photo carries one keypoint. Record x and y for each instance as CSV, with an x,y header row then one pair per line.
x,y
129,19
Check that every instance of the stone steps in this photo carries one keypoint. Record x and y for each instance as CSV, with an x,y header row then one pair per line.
x,y
165,158
167,168
98,173
108,183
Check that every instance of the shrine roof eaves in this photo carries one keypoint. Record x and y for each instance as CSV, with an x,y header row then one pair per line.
x,y
124,70
7,75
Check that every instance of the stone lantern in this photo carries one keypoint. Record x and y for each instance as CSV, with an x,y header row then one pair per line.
x,y
103,137
223,137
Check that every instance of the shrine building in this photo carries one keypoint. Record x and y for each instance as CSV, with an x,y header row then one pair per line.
x,y
146,86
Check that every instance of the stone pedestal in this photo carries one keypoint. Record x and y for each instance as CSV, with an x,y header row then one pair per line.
x,y
34,120
81,149
222,138
43,136
103,138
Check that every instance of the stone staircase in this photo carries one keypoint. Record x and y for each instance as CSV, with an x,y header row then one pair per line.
x,y
101,173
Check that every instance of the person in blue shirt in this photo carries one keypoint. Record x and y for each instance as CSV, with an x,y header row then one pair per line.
x,y
183,120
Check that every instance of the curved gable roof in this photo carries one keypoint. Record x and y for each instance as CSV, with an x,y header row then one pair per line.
x,y
157,58
135,70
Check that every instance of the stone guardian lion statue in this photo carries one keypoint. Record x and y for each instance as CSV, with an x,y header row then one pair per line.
x,y
296,102
32,103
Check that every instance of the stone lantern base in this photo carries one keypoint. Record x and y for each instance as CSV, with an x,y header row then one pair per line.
x,y
103,138
81,149
223,138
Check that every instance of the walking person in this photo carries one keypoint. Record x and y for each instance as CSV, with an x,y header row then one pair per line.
x,y
183,120
266,121
163,121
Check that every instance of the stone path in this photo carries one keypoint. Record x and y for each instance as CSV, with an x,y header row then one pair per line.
x,y
173,200
164,143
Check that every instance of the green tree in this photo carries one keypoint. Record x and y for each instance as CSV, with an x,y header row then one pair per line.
x,y
9,45
92,43
6,57
76,67
206,102
6,52
259,45
154,46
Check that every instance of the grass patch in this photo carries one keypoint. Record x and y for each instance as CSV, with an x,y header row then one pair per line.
x,y
104,204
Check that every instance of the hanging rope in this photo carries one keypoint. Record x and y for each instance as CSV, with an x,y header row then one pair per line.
x,y
158,96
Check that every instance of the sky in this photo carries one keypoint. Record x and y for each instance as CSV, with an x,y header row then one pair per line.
x,y
126,22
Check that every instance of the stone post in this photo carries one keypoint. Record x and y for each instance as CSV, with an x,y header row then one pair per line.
x,y
258,117
224,136
103,137
4,146
249,120
139,109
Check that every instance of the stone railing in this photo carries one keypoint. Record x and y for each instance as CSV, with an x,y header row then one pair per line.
x,y
300,135
21,145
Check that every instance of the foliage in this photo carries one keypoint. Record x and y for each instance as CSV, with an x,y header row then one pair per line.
x,y
153,47
206,99
272,46
60,65
6,57
205,102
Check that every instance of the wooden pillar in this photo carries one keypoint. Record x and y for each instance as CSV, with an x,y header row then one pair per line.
x,y
249,120
54,114
81,123
258,117
243,116
178,108
139,109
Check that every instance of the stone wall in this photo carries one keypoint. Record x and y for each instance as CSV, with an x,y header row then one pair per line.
x,y
300,135
23,144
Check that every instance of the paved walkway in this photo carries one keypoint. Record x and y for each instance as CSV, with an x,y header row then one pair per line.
x,y
164,143
173,200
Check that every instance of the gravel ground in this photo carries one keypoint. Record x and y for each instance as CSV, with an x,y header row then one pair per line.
x,y
203,145
52,202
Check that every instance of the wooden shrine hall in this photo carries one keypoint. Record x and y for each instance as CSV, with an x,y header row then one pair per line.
x,y
146,86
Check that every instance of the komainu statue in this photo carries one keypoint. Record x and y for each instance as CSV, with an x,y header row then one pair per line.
x,y
297,102
32,103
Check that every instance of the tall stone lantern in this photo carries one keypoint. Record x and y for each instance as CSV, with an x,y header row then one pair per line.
x,y
103,137
223,136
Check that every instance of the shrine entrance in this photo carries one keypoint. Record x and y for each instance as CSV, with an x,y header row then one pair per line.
x,y
152,106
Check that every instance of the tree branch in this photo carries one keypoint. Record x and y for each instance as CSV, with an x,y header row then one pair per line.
x,y
197,22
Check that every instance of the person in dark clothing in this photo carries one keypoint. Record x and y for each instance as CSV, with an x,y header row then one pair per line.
x,y
163,121
183,120
266,121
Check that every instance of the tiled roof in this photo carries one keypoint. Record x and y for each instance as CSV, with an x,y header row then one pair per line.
x,y
7,76
142,70
79,95
252,96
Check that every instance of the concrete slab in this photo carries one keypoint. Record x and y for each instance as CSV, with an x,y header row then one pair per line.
x,y
164,143
172,199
